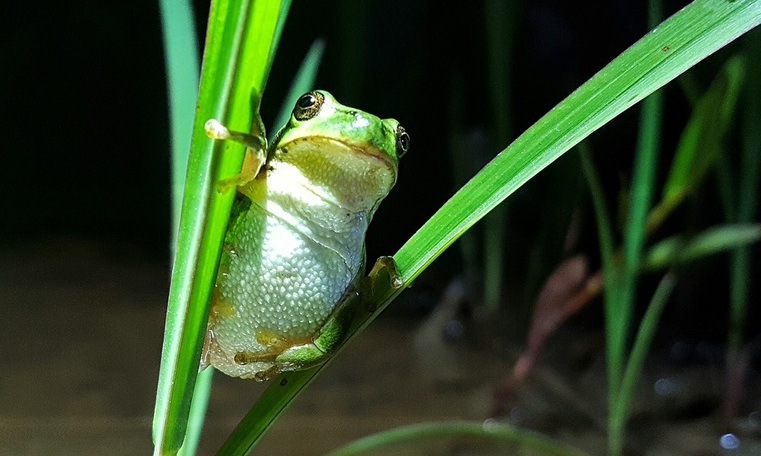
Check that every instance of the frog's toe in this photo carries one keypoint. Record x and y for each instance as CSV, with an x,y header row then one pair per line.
x,y
267,374
300,357
244,358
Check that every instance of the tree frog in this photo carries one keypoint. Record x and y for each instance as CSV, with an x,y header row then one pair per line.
x,y
294,250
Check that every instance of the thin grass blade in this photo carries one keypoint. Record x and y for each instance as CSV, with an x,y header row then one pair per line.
x,y
642,341
749,187
521,440
618,313
302,83
182,71
500,18
679,249
242,38
701,143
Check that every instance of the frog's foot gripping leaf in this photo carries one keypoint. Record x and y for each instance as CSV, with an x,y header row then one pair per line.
x,y
296,357
253,161
251,166
382,279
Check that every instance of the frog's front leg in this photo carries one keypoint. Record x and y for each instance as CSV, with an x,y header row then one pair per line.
x,y
253,161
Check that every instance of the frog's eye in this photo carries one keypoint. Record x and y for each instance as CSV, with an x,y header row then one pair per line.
x,y
402,141
308,105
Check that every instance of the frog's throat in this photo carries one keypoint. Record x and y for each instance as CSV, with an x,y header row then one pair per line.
x,y
350,177
286,200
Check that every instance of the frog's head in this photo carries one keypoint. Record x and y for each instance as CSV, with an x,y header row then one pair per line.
x,y
348,152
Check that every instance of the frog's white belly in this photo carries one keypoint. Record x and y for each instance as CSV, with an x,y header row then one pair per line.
x,y
288,261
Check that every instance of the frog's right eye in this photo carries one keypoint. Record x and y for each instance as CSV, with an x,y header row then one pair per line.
x,y
402,141
308,105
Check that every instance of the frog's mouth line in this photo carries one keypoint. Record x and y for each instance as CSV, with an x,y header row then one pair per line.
x,y
333,143
362,166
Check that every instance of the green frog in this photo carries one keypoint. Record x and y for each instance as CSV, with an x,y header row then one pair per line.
x,y
294,251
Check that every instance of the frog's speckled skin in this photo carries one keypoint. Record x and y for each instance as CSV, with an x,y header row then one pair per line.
x,y
295,242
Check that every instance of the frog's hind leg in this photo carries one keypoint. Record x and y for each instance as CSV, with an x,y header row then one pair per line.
x,y
290,355
301,357
295,357
331,336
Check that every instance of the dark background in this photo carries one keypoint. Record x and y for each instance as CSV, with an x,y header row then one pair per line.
x,y
84,105
85,217
84,149
84,118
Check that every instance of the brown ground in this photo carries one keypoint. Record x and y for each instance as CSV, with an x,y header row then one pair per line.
x,y
80,343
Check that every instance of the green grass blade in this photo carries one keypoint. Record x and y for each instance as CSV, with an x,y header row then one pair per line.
x,y
750,181
607,252
241,43
680,42
679,250
618,313
270,405
641,346
529,442
197,416
602,216
500,18
701,143
643,181
182,68
302,83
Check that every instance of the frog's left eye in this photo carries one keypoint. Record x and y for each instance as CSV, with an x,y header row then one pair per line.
x,y
308,105
402,141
